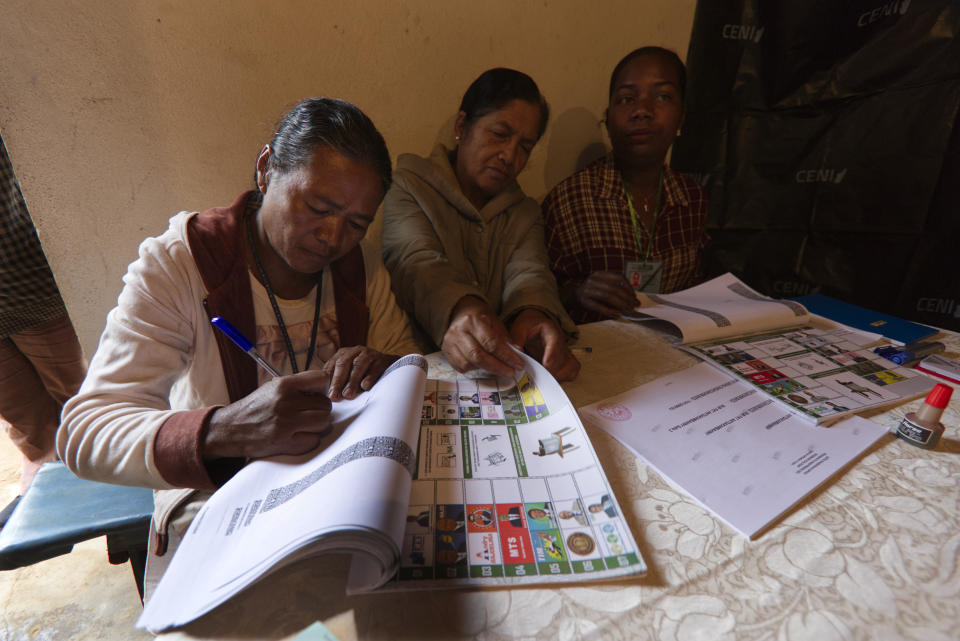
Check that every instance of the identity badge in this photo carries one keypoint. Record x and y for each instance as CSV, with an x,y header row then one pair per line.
x,y
644,275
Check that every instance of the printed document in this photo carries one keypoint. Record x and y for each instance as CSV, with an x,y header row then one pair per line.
x,y
732,448
427,484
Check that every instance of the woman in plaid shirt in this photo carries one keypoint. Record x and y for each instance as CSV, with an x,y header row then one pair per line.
x,y
627,221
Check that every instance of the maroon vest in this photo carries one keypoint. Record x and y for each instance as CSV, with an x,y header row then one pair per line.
x,y
216,240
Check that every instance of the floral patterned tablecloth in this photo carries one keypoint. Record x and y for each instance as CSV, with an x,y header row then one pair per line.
x,y
874,554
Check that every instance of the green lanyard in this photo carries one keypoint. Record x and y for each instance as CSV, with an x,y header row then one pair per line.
x,y
636,222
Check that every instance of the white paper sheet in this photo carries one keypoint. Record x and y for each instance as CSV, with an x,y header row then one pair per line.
x,y
726,444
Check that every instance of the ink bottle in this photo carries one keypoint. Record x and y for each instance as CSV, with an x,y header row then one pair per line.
x,y
923,427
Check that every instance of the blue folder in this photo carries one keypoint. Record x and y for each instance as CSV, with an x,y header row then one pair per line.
x,y
896,329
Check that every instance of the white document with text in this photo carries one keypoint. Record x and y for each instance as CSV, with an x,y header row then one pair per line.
x,y
732,448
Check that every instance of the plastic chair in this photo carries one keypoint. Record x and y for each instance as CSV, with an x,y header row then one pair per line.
x,y
59,510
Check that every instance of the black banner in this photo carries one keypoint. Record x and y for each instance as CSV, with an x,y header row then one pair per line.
x,y
825,134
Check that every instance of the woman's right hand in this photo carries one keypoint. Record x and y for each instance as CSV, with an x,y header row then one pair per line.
x,y
606,293
288,415
477,339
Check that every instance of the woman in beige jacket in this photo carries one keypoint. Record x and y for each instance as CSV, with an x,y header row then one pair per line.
x,y
464,244
171,404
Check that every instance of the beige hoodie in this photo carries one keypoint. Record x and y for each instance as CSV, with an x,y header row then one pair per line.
x,y
439,248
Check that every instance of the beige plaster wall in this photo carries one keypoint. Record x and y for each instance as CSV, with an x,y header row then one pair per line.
x,y
119,113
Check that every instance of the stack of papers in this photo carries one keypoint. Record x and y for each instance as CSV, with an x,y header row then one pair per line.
x,y
942,366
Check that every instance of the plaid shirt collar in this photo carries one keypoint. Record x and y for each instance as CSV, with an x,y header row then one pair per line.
x,y
611,184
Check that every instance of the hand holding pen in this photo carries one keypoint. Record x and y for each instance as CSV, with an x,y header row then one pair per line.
x,y
352,370
243,343
287,415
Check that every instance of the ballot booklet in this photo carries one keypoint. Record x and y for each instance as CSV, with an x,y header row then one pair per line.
x,y
816,368
719,308
819,374
429,484
734,450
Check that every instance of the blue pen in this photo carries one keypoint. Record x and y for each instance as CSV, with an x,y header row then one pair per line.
x,y
910,353
241,341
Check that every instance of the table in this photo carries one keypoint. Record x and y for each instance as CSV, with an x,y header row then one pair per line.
x,y
875,554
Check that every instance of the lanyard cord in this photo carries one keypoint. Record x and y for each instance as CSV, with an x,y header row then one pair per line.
x,y
636,222
276,308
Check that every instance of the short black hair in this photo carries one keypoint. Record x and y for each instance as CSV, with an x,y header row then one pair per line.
x,y
652,51
495,88
332,123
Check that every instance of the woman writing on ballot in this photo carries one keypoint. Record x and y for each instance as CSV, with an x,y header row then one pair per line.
x,y
171,404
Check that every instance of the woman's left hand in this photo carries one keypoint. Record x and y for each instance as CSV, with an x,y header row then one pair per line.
x,y
354,370
542,338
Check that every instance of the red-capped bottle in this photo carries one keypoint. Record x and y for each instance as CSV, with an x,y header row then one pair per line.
x,y
923,427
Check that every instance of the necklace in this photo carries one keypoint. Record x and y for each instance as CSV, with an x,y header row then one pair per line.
x,y
276,308
646,205
637,224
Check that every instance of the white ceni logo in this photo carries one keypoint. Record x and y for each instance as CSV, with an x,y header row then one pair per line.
x,y
834,176
749,32
882,11
944,306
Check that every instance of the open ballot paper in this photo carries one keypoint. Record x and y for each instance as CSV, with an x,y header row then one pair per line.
x,y
733,449
816,367
818,374
429,483
509,490
719,308
725,307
